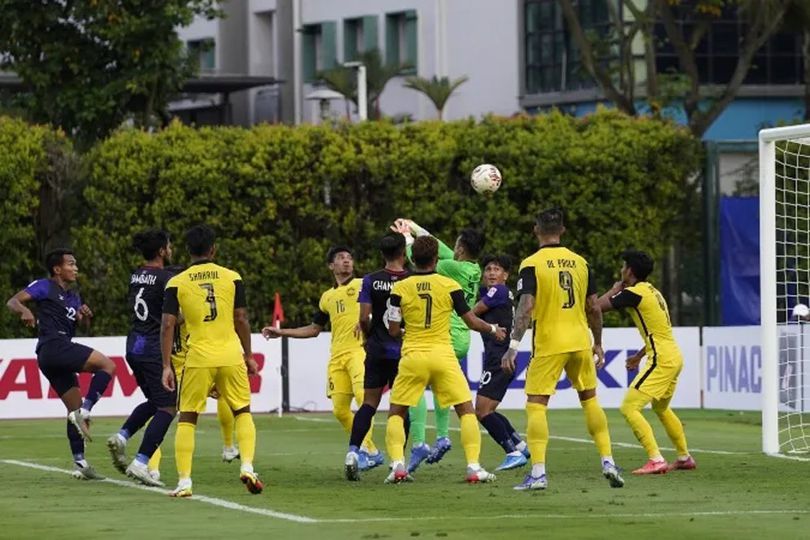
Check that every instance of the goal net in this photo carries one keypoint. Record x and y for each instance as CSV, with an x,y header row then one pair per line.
x,y
784,160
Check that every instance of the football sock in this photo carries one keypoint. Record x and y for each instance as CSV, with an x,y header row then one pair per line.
x,y
184,448
537,431
442,419
597,424
361,424
341,408
76,442
154,461
634,402
226,422
246,436
418,416
509,428
674,429
153,436
470,437
137,419
395,438
498,431
97,386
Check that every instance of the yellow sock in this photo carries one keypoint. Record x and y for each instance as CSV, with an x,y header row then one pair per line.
x,y
674,428
226,422
537,431
246,435
470,438
342,409
597,426
154,461
634,402
395,437
184,448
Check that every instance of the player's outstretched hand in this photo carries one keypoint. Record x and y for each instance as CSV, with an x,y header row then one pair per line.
x,y
28,318
508,361
168,379
271,332
252,366
599,354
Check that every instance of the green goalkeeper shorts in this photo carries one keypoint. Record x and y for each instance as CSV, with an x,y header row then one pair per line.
x,y
461,342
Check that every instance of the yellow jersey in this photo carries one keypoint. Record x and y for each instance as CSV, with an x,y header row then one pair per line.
x,y
649,312
180,346
560,282
339,307
207,294
426,301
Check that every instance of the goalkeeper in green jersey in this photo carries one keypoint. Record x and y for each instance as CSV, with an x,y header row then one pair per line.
x,y
461,265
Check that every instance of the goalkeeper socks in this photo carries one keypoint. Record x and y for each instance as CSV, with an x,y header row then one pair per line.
x,y
341,408
184,448
246,436
498,431
361,424
153,436
537,432
76,442
137,419
395,438
418,416
226,422
442,419
597,424
97,387
634,402
674,429
470,437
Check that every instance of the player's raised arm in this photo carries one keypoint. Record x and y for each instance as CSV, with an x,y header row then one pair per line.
x,y
471,319
604,302
17,305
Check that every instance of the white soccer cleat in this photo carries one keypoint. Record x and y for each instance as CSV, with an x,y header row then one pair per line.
x,y
352,467
81,419
229,453
84,471
183,488
117,445
479,475
611,472
398,474
155,475
140,472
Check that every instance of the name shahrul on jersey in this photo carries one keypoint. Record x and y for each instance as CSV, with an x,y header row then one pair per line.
x,y
562,263
382,285
143,279
206,275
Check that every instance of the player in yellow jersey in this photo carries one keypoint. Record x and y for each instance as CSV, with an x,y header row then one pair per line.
x,y
339,306
423,304
212,300
657,381
558,296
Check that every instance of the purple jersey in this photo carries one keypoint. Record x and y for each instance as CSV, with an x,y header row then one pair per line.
x,y
376,290
498,299
57,310
145,300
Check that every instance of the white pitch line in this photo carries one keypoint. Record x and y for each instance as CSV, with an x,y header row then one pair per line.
x,y
786,456
222,503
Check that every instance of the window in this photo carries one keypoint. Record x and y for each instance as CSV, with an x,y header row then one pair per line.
x,y
204,51
318,49
401,39
359,36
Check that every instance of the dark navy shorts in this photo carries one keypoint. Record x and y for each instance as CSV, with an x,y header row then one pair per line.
x,y
148,372
494,381
380,372
60,361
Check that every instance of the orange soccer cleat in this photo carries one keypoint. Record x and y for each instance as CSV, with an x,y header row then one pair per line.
x,y
653,467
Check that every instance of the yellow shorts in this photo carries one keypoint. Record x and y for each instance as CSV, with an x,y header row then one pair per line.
x,y
544,372
231,382
346,371
440,370
177,363
658,380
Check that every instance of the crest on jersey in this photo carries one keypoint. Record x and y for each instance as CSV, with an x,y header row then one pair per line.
x,y
351,291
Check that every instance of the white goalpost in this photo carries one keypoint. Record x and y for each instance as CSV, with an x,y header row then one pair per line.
x,y
784,191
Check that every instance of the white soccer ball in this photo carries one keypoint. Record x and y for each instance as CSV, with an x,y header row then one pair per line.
x,y
486,179
801,311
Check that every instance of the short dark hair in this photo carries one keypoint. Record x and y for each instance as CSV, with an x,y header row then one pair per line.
x,y
150,242
639,262
551,220
200,239
425,250
392,245
334,250
504,261
473,241
56,257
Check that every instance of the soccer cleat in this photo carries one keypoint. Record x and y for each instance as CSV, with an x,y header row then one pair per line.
x,y
352,469
611,472
532,483
443,446
117,446
81,419
479,475
526,452
512,461
85,472
373,460
251,481
362,461
183,488
653,467
230,453
155,475
419,453
399,474
139,471
687,464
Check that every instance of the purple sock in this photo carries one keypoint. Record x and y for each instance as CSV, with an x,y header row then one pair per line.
x,y
509,428
498,431
76,442
97,386
362,423
155,431
137,419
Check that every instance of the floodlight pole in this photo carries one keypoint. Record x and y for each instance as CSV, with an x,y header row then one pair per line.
x,y
362,89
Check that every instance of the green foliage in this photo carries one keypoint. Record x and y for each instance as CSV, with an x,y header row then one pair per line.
x,y
437,90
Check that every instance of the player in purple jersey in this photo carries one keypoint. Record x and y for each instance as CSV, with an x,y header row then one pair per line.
x,y
146,287
382,350
495,306
59,309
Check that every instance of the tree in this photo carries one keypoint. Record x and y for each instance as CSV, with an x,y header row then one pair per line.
x,y
617,77
90,64
437,90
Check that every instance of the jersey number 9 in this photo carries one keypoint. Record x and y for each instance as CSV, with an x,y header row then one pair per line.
x,y
567,284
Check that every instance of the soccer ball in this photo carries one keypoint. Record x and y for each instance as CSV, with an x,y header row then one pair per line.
x,y
486,179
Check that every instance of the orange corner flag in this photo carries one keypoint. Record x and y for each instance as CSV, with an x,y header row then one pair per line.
x,y
278,311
